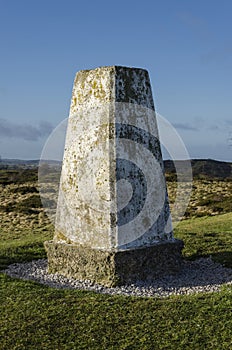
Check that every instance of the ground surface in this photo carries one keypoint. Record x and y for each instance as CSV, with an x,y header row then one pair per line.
x,y
37,317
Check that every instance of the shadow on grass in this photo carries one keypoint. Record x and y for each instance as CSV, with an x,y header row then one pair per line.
x,y
21,254
223,258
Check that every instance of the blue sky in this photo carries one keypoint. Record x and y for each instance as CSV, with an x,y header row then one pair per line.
x,y
185,45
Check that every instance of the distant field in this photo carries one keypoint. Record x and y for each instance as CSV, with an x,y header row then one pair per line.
x,y
35,317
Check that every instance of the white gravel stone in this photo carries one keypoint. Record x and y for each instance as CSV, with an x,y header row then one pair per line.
x,y
202,275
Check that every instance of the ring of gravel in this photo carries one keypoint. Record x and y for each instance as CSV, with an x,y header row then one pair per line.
x,y
202,275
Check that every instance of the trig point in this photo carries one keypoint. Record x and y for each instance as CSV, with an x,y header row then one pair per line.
x,y
113,223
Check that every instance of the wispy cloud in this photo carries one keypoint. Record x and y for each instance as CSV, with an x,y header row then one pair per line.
x,y
184,126
222,126
24,131
217,55
229,122
214,128
229,140
190,19
195,23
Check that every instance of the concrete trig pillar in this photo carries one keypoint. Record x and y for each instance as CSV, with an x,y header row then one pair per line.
x,y
113,221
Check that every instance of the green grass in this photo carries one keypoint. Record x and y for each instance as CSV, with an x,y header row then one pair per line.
x,y
33,316
27,246
38,317
207,236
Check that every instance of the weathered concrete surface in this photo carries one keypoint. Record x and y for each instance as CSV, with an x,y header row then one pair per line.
x,y
112,155
114,268
112,194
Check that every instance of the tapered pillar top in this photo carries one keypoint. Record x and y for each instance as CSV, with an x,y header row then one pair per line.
x,y
111,84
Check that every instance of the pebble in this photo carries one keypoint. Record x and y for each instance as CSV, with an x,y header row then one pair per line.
x,y
202,275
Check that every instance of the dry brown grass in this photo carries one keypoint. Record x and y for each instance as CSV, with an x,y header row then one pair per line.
x,y
208,197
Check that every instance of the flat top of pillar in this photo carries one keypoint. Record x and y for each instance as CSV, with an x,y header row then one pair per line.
x,y
113,68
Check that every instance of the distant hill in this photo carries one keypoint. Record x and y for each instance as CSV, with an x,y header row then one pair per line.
x,y
201,168
25,164
6,161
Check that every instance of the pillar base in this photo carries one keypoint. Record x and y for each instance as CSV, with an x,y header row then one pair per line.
x,y
114,268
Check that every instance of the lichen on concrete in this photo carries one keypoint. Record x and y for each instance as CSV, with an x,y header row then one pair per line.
x,y
112,196
111,268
